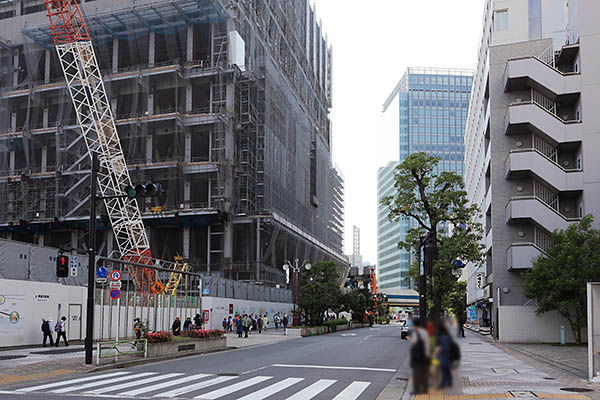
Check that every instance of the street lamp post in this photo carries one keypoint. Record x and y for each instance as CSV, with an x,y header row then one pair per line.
x,y
296,268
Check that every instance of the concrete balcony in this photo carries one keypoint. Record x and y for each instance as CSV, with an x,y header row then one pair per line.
x,y
524,116
532,208
521,255
532,162
531,72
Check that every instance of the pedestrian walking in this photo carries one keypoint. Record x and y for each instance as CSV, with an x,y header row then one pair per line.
x,y
276,320
176,327
254,323
224,324
61,330
246,325
138,327
285,322
47,331
229,324
187,324
443,354
198,321
265,322
259,323
238,326
419,357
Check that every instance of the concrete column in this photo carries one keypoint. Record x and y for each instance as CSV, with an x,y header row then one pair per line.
x,y
149,140
45,117
109,242
18,8
151,48
40,239
13,121
16,60
208,249
113,106
188,97
186,243
44,158
150,104
48,59
74,239
187,189
11,162
188,147
115,56
258,250
190,44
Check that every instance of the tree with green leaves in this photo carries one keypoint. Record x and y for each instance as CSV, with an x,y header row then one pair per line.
x,y
558,279
434,202
319,291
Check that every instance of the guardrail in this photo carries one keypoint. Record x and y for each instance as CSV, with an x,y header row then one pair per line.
x,y
118,348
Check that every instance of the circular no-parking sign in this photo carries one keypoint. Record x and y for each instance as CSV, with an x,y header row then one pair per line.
x,y
115,275
115,293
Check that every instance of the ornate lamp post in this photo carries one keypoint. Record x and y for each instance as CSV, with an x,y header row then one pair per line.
x,y
296,268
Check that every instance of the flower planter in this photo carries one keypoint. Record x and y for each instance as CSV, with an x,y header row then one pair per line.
x,y
321,330
191,345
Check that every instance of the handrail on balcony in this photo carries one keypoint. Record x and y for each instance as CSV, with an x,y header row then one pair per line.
x,y
531,149
547,56
532,197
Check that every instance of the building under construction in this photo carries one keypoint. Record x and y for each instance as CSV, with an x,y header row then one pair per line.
x,y
225,103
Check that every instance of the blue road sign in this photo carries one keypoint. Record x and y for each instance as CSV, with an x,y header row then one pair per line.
x,y
115,293
101,272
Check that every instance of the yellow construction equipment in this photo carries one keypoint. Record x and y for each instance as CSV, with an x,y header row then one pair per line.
x,y
176,275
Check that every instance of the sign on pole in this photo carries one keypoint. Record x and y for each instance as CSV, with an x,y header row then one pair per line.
x,y
74,265
116,284
115,293
115,275
101,281
101,272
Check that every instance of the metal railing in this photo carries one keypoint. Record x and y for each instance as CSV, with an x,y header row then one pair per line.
x,y
545,148
547,57
116,348
543,101
546,195
542,239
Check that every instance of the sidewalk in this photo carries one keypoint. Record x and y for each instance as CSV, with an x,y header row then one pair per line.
x,y
487,371
33,363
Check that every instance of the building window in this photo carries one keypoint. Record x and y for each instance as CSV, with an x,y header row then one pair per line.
x,y
535,19
501,20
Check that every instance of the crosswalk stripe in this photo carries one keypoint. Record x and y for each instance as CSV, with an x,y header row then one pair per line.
x,y
215,394
159,386
272,389
352,391
69,382
191,388
313,390
125,385
107,382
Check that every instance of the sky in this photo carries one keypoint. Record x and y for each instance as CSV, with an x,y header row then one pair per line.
x,y
374,42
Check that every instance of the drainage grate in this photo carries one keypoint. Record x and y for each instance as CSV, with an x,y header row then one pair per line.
x,y
522,393
4,358
577,390
505,370
549,379
476,343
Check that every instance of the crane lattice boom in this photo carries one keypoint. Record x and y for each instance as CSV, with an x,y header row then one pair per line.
x,y
94,115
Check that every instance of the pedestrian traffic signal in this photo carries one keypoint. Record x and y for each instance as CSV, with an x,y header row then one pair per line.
x,y
62,266
147,190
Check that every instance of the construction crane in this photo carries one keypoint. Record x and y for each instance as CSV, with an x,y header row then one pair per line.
x,y
94,116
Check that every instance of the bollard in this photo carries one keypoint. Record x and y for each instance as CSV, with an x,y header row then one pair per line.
x,y
562,334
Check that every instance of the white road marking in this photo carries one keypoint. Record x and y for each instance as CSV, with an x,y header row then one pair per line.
x,y
191,388
313,390
159,386
215,394
272,389
112,388
366,338
109,381
352,391
348,334
69,382
333,367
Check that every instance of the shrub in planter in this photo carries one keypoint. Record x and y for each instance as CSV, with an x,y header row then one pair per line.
x,y
202,333
332,324
382,320
158,337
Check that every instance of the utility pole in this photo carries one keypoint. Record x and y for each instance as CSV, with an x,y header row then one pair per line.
x,y
89,321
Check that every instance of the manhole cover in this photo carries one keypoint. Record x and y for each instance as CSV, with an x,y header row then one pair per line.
x,y
577,390
522,393
3,358
505,370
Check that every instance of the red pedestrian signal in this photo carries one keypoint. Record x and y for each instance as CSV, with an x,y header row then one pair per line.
x,y
62,266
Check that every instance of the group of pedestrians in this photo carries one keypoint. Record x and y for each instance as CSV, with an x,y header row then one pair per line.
x,y
198,323
60,327
433,354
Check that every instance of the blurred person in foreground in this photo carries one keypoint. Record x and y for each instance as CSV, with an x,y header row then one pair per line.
x,y
419,357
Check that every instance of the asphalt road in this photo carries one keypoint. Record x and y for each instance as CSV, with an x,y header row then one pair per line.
x,y
348,365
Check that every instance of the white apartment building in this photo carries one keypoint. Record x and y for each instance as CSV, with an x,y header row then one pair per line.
x,y
532,132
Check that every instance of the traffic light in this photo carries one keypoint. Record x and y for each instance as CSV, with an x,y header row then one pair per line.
x,y
62,266
147,190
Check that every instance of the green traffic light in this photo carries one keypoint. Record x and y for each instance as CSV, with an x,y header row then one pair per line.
x,y
131,192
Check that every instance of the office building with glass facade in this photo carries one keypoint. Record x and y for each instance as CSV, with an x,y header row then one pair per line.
x,y
432,106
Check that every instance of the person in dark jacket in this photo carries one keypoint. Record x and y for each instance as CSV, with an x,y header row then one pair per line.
x,y
198,321
176,328
238,325
187,324
47,331
419,357
62,331
442,353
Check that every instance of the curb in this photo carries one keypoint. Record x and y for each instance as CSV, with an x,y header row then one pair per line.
x,y
397,388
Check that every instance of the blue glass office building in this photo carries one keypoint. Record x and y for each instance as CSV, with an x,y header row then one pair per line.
x,y
432,106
